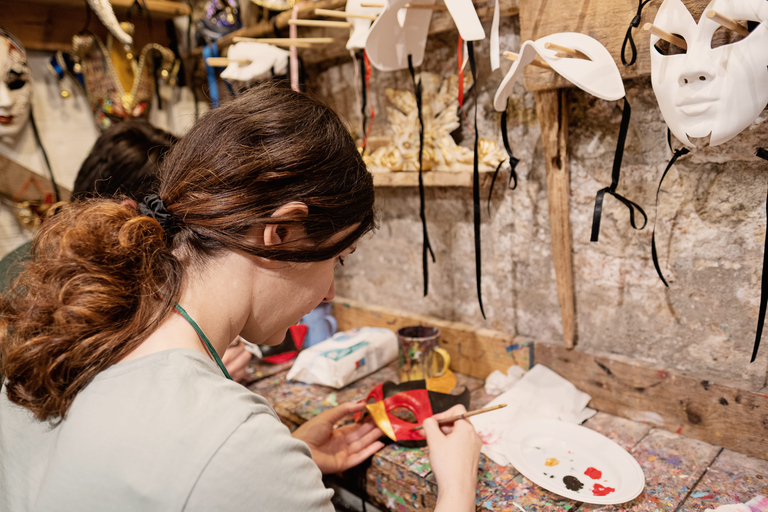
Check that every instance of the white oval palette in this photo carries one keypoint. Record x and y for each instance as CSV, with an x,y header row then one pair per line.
x,y
575,462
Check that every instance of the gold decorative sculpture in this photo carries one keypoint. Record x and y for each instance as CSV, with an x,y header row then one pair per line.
x,y
440,115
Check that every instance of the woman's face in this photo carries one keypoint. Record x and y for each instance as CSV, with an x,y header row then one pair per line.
x,y
15,89
715,87
287,292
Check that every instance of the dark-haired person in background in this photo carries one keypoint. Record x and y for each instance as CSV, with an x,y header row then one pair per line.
x,y
114,396
123,162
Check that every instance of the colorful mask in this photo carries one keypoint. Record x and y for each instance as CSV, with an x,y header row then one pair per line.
x,y
15,87
421,398
288,348
704,91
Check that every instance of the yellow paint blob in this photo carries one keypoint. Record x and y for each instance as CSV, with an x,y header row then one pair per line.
x,y
551,462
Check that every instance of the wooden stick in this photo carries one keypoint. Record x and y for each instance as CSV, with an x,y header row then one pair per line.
x,y
566,50
663,34
222,62
728,23
343,14
320,23
372,4
465,415
303,42
427,7
535,62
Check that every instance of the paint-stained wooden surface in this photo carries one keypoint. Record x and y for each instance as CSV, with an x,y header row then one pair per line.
x,y
733,478
681,473
734,418
475,352
605,20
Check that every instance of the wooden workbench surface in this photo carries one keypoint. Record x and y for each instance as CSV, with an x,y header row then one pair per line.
x,y
681,474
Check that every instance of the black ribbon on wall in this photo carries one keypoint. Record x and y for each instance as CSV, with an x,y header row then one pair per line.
x,y
654,254
426,246
628,37
364,92
762,153
615,175
476,182
511,159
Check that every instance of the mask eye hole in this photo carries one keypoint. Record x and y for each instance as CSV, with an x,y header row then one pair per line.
x,y
666,48
403,414
16,84
724,36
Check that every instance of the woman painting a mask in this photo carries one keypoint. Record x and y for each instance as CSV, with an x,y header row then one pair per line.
x,y
114,393
15,88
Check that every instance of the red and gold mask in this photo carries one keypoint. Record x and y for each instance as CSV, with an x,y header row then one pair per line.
x,y
421,398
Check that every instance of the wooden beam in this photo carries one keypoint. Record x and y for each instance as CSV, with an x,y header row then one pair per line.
x,y
553,117
718,413
475,352
161,9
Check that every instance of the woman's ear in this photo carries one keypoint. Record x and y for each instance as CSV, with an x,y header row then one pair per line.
x,y
276,234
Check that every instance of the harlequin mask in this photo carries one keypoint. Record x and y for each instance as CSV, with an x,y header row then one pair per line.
x,y
421,398
15,86
288,348
705,90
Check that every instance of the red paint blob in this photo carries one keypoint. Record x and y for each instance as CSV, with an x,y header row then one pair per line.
x,y
599,490
593,473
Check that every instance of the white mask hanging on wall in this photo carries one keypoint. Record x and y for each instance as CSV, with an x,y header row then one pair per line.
x,y
399,32
265,59
15,87
360,27
598,76
704,91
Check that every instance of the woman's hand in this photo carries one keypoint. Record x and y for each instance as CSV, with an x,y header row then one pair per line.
x,y
236,360
337,449
454,453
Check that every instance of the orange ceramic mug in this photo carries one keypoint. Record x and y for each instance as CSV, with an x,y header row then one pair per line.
x,y
420,357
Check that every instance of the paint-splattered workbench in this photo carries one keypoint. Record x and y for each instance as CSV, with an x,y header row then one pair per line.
x,y
681,474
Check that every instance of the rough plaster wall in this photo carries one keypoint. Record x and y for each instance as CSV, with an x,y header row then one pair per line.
x,y
711,228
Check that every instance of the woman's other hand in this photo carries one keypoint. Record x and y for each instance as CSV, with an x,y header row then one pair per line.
x,y
337,449
236,359
454,453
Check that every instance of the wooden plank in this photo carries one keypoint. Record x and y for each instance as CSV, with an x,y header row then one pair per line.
x,y
717,413
552,111
672,465
732,478
605,20
431,179
475,352
13,175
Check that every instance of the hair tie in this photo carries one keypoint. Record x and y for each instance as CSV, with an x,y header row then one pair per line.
x,y
153,206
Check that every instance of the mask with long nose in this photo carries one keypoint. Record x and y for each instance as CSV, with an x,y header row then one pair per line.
x,y
15,87
718,85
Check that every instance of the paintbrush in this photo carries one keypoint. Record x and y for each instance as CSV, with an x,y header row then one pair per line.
x,y
464,415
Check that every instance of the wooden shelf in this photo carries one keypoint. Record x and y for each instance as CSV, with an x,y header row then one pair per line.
x,y
49,25
432,179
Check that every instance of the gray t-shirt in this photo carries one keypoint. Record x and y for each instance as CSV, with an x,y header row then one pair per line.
x,y
166,432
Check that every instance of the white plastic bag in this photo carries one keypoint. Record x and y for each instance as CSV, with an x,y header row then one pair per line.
x,y
345,357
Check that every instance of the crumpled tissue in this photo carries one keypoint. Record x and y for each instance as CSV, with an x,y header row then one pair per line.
x,y
498,382
540,394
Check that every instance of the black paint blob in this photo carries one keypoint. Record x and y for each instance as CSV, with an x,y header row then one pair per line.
x,y
573,483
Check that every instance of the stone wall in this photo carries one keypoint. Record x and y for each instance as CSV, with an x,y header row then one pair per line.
x,y
710,231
